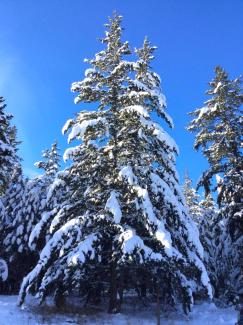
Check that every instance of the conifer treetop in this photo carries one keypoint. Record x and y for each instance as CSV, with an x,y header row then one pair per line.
x,y
51,162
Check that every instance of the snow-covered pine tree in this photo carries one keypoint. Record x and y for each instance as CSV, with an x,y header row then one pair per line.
x,y
192,200
204,214
51,164
12,202
3,267
9,166
218,125
54,188
26,201
8,147
229,236
219,135
126,211
208,232
33,201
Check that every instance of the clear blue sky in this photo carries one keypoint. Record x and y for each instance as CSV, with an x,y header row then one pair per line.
x,y
43,44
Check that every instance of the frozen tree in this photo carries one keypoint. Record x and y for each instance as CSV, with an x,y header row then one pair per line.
x,y
26,200
204,214
125,224
53,188
192,200
12,202
8,147
57,196
219,135
9,176
33,202
229,236
51,164
208,234
3,270
218,125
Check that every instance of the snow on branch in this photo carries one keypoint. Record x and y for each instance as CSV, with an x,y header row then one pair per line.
x,y
67,125
161,234
53,245
113,206
130,241
78,255
70,153
126,173
137,109
160,134
79,130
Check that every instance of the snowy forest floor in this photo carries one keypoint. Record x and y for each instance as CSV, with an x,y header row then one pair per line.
x,y
31,314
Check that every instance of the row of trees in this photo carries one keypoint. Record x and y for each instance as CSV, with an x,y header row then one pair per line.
x,y
116,219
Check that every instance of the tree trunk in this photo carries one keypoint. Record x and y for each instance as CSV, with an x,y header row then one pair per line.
x,y
120,290
158,303
59,297
113,290
144,289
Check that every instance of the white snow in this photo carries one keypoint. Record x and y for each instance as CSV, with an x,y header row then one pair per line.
x,y
89,71
38,227
160,133
67,126
70,153
219,179
121,66
130,241
3,270
204,275
138,109
202,314
219,84
54,185
205,110
84,247
161,234
79,129
54,244
113,206
126,172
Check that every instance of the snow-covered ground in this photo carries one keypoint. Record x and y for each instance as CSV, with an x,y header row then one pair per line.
x,y
202,314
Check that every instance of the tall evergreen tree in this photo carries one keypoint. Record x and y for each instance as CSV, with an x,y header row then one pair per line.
x,y
219,134
33,203
8,147
204,214
25,203
53,189
192,200
125,221
12,202
208,234
9,177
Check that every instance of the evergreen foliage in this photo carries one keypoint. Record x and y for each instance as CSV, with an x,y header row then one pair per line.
x,y
219,134
8,147
10,170
204,214
192,200
208,234
115,221
24,203
124,225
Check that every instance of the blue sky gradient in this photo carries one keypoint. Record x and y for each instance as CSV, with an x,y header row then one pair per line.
x,y
43,44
